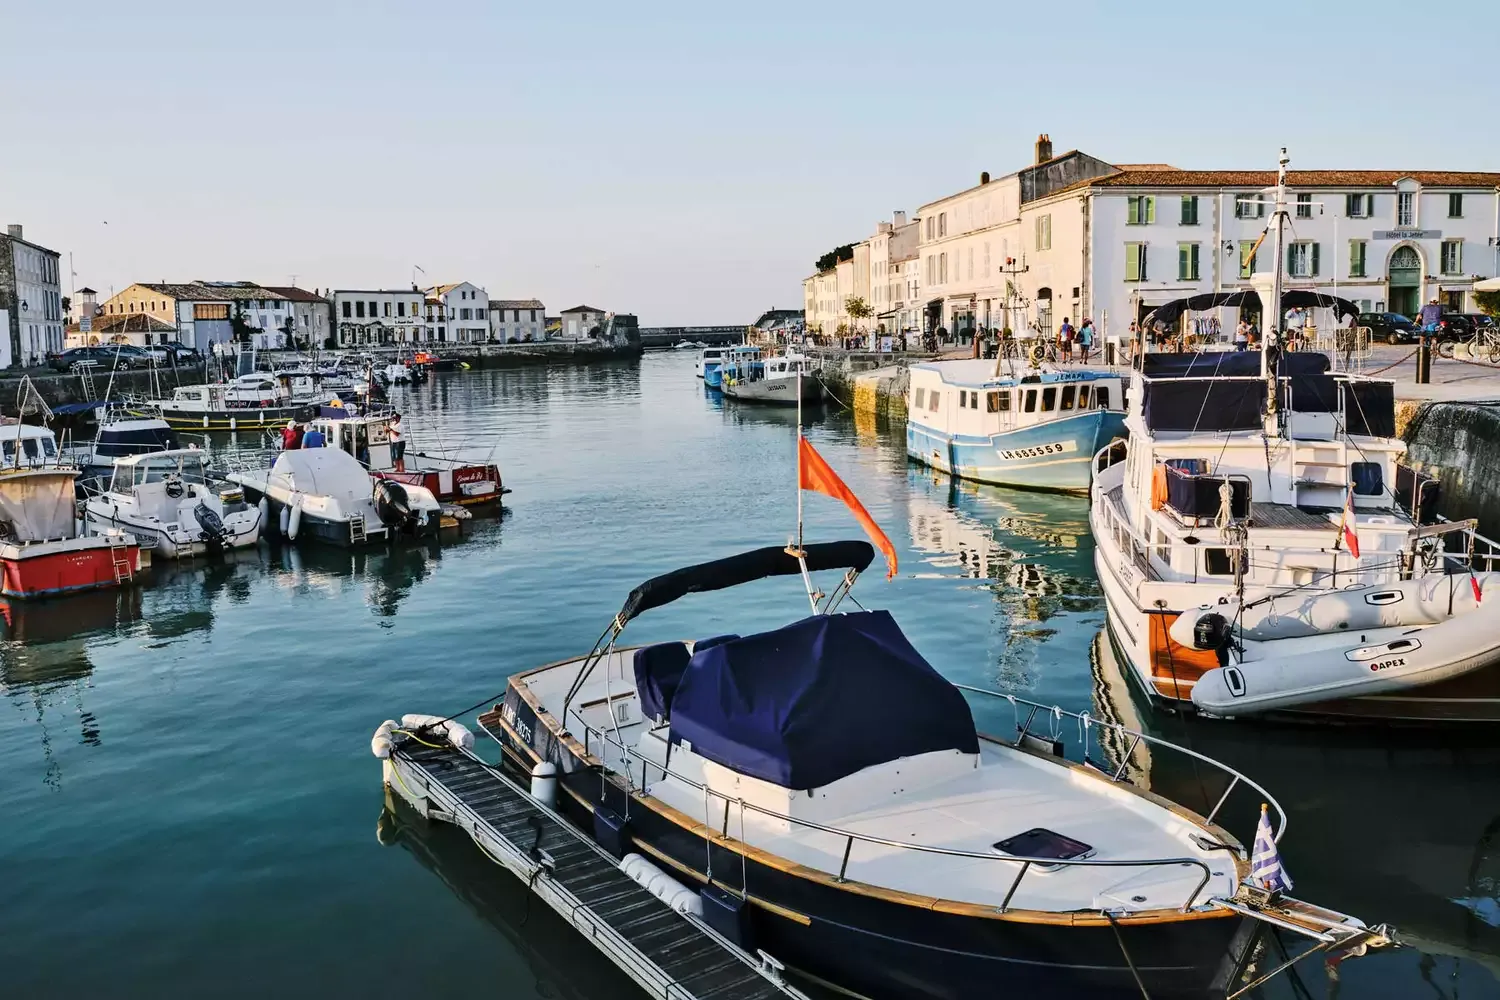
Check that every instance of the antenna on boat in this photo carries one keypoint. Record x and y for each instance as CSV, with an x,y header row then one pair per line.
x,y
1267,363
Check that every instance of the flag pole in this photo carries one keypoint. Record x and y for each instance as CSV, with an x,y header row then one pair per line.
x,y
799,460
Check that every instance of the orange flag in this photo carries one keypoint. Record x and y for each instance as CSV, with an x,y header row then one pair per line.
x,y
816,475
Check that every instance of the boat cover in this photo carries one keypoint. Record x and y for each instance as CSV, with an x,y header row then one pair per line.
x,y
38,505
1216,364
321,472
743,568
659,670
1248,299
817,700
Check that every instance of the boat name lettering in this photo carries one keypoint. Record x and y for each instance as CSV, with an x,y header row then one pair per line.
x,y
1395,661
1036,451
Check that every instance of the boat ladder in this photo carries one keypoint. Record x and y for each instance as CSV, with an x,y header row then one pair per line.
x,y
1336,935
668,953
119,554
356,529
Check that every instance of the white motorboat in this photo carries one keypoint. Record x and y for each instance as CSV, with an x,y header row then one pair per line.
x,y
26,446
1262,548
326,495
167,501
397,374
118,436
782,380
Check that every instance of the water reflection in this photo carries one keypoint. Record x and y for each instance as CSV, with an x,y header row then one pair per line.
x,y
544,948
1393,825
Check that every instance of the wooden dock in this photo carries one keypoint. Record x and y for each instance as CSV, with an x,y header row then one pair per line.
x,y
670,955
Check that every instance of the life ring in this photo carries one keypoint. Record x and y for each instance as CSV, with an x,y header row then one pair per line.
x,y
172,485
1038,352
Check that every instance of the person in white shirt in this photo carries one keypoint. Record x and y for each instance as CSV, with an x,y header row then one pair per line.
x,y
1242,335
398,443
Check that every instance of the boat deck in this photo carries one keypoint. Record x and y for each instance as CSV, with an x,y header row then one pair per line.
x,y
667,954
916,803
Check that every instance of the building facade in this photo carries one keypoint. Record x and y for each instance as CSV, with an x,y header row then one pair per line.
x,y
371,318
517,320
30,300
311,318
458,313
580,321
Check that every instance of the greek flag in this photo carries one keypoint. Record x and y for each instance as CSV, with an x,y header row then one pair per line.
x,y
1265,862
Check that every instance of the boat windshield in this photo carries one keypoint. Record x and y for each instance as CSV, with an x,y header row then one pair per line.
x,y
32,449
159,468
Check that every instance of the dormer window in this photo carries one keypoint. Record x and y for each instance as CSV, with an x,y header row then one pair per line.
x,y
1406,208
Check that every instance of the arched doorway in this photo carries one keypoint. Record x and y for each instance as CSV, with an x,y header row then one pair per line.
x,y
1044,311
1404,274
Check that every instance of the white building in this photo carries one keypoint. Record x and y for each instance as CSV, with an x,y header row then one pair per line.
x,y
458,313
311,317
516,320
371,317
205,313
821,304
894,285
578,322
30,300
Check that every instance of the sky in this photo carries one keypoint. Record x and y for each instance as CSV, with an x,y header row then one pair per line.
x,y
684,162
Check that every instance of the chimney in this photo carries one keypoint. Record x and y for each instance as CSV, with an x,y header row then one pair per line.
x,y
984,177
14,231
1043,148
900,219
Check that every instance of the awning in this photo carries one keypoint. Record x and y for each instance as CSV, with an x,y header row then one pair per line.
x,y
1487,285
1168,313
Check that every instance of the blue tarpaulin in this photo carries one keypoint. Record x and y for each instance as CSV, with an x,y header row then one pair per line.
x,y
93,404
817,700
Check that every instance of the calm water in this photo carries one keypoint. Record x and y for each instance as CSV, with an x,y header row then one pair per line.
x,y
190,807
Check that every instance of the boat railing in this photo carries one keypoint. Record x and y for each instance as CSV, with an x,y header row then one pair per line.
x,y
631,755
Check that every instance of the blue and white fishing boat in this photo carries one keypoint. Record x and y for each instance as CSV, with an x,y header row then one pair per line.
x,y
1039,430
708,363
716,359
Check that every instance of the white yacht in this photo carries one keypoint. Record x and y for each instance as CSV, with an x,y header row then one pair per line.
x,y
168,502
1262,548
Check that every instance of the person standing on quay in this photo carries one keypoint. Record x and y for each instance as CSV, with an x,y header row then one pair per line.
x,y
1085,340
1242,335
1065,340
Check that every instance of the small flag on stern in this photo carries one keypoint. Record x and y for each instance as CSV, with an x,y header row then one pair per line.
x,y
814,474
1265,863
1474,585
1346,525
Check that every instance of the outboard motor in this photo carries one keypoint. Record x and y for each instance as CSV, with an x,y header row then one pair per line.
x,y
392,504
214,531
1213,631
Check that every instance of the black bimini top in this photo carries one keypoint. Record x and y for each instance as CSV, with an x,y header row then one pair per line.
x,y
746,567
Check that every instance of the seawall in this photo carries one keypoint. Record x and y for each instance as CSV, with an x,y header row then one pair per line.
x,y
1459,445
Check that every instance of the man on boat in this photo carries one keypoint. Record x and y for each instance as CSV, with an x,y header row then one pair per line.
x,y
398,443
291,436
313,438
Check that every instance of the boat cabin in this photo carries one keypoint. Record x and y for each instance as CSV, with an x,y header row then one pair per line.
x,y
133,436
164,472
365,436
26,445
967,398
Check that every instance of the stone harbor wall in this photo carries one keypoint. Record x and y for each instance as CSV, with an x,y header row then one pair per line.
x,y
1459,445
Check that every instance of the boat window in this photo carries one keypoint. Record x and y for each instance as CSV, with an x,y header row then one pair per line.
x,y
10,451
1083,396
963,399
997,402
1030,401
918,398
933,399
49,448
1101,397
1220,562
28,445
1049,399
1069,391
1368,481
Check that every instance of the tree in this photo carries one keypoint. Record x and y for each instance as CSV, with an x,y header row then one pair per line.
x,y
834,258
858,309
1488,302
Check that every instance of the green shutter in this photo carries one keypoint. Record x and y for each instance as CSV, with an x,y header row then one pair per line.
x,y
1132,263
1315,260
1182,261
1291,258
1194,274
1141,251
1150,210
1132,211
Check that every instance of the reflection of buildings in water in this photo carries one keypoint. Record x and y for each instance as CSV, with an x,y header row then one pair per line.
x,y
1393,825
547,945
388,573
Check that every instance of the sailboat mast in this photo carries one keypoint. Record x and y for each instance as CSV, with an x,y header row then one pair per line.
x,y
1278,219
799,457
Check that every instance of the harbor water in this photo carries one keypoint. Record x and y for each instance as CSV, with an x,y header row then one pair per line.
x,y
191,808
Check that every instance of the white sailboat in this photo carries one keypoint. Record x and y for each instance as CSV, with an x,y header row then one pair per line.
x,y
1256,551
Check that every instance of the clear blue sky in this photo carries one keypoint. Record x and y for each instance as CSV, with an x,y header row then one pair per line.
x,y
686,162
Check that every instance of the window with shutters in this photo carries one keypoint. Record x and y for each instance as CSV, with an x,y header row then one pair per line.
x,y
1135,262
1357,249
1302,260
1044,232
1248,206
1359,206
1140,210
1248,254
1453,256
1187,262
929,229
1189,210
942,224
1455,206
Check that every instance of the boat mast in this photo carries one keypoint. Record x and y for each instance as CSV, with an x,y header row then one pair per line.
x,y
796,548
1267,362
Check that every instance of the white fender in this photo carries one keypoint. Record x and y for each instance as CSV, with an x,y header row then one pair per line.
x,y
294,520
661,885
458,734
380,743
283,518
264,508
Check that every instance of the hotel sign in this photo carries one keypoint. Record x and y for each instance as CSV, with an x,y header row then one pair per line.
x,y
1407,234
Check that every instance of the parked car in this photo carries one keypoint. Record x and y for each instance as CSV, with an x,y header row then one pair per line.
x,y
1392,328
103,356
180,353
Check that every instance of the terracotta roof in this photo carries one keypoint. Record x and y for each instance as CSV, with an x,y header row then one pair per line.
x,y
1254,179
582,309
131,323
295,294
1144,166
516,304
212,291
445,289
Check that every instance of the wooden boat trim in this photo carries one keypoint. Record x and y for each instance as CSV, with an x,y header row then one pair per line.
x,y
778,863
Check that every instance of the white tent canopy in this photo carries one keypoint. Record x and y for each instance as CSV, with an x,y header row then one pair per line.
x,y
1487,285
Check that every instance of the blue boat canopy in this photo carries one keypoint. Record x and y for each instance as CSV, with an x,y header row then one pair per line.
x,y
817,700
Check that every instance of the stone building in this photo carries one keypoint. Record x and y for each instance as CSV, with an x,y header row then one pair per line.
x,y
31,311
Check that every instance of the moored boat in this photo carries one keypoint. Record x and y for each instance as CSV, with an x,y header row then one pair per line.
x,y
828,788
168,502
782,380
707,365
1037,430
249,402
41,551
1257,554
